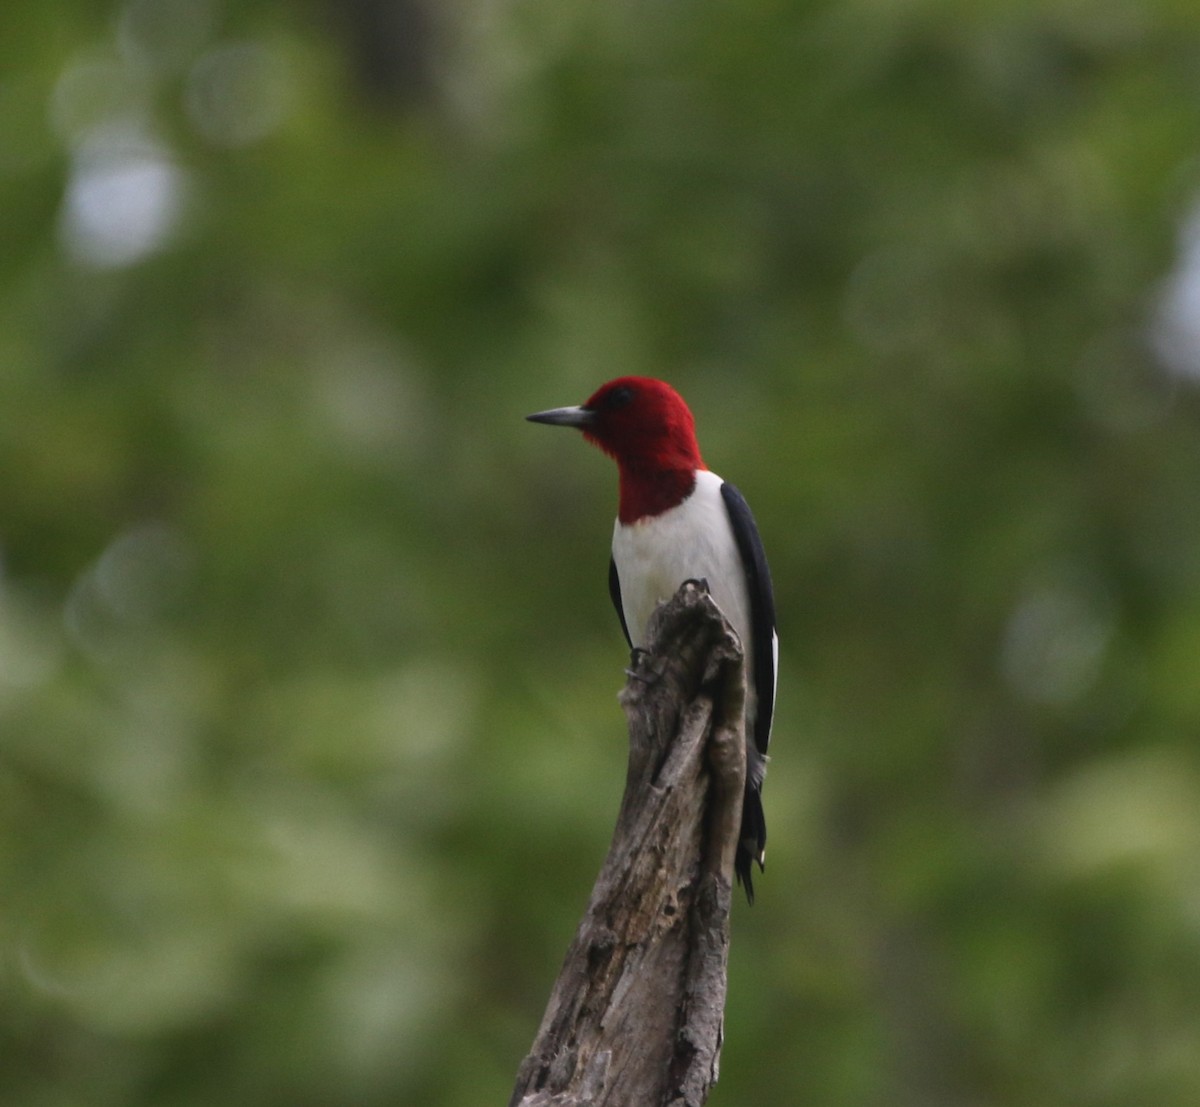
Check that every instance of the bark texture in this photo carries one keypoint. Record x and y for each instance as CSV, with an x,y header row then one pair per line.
x,y
635,1018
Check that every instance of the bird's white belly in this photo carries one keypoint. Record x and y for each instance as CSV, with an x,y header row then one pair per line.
x,y
655,556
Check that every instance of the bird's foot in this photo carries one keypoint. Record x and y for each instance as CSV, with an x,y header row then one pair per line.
x,y
636,657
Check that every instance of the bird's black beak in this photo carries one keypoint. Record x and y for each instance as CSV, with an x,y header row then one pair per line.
x,y
564,417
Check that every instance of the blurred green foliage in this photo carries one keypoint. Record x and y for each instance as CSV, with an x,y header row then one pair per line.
x,y
309,748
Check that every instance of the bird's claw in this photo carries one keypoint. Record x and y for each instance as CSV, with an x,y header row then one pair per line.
x,y
636,656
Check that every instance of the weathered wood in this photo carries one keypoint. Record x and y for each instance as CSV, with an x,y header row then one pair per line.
x,y
635,1018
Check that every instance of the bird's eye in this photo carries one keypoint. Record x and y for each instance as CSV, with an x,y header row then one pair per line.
x,y
619,397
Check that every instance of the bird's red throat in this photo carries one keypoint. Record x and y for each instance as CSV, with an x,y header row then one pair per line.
x,y
647,493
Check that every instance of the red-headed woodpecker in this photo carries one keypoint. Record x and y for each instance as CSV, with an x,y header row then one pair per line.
x,y
678,521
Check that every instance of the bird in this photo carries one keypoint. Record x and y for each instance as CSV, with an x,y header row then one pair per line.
x,y
678,521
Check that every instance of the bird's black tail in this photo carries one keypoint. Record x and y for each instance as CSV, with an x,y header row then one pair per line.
x,y
752,843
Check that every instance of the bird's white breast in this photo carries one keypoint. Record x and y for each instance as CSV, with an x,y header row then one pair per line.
x,y
694,540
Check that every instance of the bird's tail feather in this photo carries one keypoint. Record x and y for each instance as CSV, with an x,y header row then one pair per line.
x,y
752,843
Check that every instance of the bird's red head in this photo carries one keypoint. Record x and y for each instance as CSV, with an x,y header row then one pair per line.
x,y
644,424
647,428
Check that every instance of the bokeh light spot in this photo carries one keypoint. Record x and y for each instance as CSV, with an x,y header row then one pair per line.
x,y
124,198
238,94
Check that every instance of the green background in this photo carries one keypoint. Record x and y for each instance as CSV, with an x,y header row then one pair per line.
x,y
309,745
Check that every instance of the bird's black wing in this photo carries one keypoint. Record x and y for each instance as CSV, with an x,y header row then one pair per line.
x,y
752,841
762,609
614,590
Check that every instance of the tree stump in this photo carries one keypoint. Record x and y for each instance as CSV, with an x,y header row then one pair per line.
x,y
635,1018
